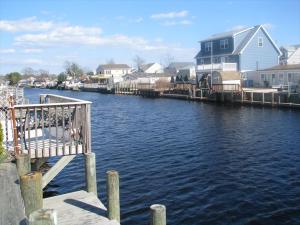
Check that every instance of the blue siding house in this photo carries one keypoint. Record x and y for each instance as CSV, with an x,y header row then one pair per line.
x,y
244,50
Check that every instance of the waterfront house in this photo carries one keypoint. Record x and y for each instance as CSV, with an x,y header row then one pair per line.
x,y
182,71
116,71
151,68
243,50
290,54
280,76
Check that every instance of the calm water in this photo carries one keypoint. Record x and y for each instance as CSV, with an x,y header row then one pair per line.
x,y
208,164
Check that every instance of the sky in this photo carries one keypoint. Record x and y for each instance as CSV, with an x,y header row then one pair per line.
x,y
45,34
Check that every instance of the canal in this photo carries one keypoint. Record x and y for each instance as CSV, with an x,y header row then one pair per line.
x,y
208,163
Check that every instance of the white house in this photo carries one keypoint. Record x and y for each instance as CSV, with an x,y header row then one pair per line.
x,y
116,71
151,68
282,76
290,55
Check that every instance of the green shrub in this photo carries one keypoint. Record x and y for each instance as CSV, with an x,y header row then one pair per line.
x,y
3,154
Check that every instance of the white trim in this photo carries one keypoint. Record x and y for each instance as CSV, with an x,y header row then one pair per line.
x,y
242,31
260,40
261,27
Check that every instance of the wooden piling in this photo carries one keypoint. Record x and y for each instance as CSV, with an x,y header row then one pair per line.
x,y
23,164
43,217
158,214
90,172
32,193
113,196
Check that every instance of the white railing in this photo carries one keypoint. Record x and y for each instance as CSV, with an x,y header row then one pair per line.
x,y
218,66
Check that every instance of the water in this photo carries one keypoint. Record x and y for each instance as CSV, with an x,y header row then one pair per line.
x,y
209,164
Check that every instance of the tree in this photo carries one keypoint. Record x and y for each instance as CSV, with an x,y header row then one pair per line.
x,y
168,58
28,72
73,69
138,61
61,78
13,78
43,73
90,73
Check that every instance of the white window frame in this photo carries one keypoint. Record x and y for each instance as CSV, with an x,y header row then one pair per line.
x,y
208,46
260,42
224,44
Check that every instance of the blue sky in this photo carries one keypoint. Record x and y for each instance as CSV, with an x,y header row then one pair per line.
x,y
44,34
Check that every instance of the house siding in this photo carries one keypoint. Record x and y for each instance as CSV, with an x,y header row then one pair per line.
x,y
217,48
254,57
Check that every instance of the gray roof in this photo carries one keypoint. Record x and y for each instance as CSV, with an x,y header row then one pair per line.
x,y
146,75
113,66
180,65
225,34
291,47
283,67
144,67
246,40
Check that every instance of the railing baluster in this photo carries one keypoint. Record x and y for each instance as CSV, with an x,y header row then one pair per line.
x,y
56,130
49,127
21,129
70,130
43,132
36,132
63,129
76,129
28,130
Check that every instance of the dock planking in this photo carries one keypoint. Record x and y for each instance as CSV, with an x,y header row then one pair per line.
x,y
79,208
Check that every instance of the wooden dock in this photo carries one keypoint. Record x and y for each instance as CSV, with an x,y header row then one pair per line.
x,y
79,208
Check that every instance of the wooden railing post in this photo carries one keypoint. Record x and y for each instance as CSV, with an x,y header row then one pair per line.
x,y
90,172
158,214
32,193
23,164
43,217
113,196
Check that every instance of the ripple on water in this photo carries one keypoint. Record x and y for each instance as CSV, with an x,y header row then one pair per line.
x,y
209,164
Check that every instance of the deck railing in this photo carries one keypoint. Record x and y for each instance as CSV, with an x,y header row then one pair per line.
x,y
57,126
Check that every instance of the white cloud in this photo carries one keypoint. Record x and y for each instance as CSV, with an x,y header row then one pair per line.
x,y
237,27
7,50
138,20
268,26
32,62
26,24
170,15
174,23
32,50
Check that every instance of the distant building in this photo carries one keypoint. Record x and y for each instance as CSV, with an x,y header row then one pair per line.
x,y
290,55
241,50
116,71
280,76
151,68
182,71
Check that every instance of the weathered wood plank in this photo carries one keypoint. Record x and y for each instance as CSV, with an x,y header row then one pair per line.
x,y
78,208
58,166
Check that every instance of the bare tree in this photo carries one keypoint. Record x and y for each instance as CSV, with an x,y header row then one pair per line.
x,y
28,72
138,61
167,59
73,69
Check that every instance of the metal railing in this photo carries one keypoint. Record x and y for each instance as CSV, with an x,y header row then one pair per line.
x,y
57,126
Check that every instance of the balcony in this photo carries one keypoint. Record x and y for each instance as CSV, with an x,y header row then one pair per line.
x,y
217,66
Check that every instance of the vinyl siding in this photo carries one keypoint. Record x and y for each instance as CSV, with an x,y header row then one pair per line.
x,y
216,47
254,57
239,38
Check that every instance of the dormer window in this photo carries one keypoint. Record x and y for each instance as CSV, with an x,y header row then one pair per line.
x,y
224,44
208,46
260,42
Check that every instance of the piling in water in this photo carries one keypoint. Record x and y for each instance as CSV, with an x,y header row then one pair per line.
x,y
43,217
32,193
113,196
23,164
158,214
90,172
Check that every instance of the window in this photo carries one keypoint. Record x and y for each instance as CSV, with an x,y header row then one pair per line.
x,y
262,77
216,59
260,42
224,44
289,77
201,61
208,46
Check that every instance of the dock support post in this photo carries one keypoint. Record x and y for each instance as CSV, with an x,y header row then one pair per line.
x,y
272,98
158,215
242,99
113,196
90,172
23,164
252,97
43,217
32,193
263,98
